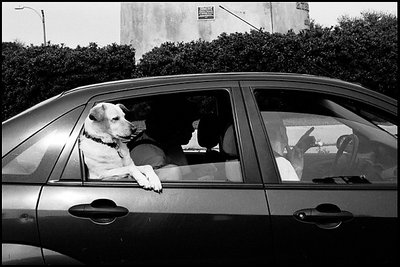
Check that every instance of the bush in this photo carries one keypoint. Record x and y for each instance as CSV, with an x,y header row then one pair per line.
x,y
35,73
361,50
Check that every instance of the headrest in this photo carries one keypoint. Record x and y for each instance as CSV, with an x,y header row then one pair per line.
x,y
208,131
229,143
163,109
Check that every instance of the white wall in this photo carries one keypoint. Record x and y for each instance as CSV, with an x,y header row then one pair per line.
x,y
148,24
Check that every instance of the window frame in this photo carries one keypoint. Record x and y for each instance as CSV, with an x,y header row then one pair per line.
x,y
232,88
263,146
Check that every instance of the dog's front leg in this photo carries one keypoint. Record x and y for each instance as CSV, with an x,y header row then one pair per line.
x,y
140,178
152,176
132,170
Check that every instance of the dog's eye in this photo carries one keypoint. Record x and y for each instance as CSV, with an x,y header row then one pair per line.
x,y
115,118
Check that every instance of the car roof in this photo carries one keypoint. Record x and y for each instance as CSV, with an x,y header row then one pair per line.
x,y
113,86
199,77
35,118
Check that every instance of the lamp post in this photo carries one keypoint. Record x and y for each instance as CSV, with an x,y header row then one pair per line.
x,y
41,18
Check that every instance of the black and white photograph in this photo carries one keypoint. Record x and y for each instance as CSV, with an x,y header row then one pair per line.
x,y
200,133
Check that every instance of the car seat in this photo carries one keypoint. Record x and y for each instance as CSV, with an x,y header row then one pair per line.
x,y
229,148
208,136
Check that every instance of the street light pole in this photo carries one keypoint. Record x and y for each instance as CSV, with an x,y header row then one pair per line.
x,y
41,18
44,28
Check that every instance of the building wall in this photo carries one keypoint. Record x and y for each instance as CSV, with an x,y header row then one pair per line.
x,y
145,25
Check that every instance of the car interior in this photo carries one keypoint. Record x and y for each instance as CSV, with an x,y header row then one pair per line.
x,y
213,143
352,147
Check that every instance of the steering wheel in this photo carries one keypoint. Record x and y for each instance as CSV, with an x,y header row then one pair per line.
x,y
342,143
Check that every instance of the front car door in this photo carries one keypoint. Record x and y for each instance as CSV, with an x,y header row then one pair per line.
x,y
343,209
212,218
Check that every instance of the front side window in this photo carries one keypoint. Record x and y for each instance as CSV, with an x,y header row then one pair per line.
x,y
323,141
184,136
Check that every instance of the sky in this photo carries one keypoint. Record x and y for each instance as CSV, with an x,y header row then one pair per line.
x,y
79,23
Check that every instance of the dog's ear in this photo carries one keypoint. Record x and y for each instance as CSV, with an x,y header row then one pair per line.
x,y
97,113
124,109
129,114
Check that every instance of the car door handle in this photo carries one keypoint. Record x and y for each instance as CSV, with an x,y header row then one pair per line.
x,y
326,216
99,211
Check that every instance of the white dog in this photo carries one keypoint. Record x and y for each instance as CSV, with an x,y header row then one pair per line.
x,y
103,143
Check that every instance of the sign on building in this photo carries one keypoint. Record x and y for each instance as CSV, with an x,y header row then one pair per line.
x,y
302,6
205,12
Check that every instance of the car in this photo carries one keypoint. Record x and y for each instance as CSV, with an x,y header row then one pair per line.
x,y
341,210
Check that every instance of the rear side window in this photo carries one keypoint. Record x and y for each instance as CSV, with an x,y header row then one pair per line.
x,y
28,161
33,160
188,137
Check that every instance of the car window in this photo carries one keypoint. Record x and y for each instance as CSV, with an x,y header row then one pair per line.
x,y
380,119
188,137
27,162
33,160
323,141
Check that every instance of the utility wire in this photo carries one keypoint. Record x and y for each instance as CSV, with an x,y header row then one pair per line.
x,y
310,62
240,18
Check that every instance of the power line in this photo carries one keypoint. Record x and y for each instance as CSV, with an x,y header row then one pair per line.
x,y
272,31
240,18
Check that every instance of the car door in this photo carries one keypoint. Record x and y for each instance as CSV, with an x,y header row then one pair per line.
x,y
25,169
190,221
351,215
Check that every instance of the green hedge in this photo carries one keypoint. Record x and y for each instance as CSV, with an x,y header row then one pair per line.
x,y
361,50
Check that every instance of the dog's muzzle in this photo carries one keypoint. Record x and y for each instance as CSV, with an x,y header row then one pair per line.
x,y
128,138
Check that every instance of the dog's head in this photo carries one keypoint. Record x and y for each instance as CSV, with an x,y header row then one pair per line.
x,y
106,119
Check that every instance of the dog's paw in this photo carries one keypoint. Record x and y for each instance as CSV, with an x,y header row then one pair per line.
x,y
144,183
156,185
155,182
152,177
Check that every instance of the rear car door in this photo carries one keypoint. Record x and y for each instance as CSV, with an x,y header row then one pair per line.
x,y
24,170
213,218
344,208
